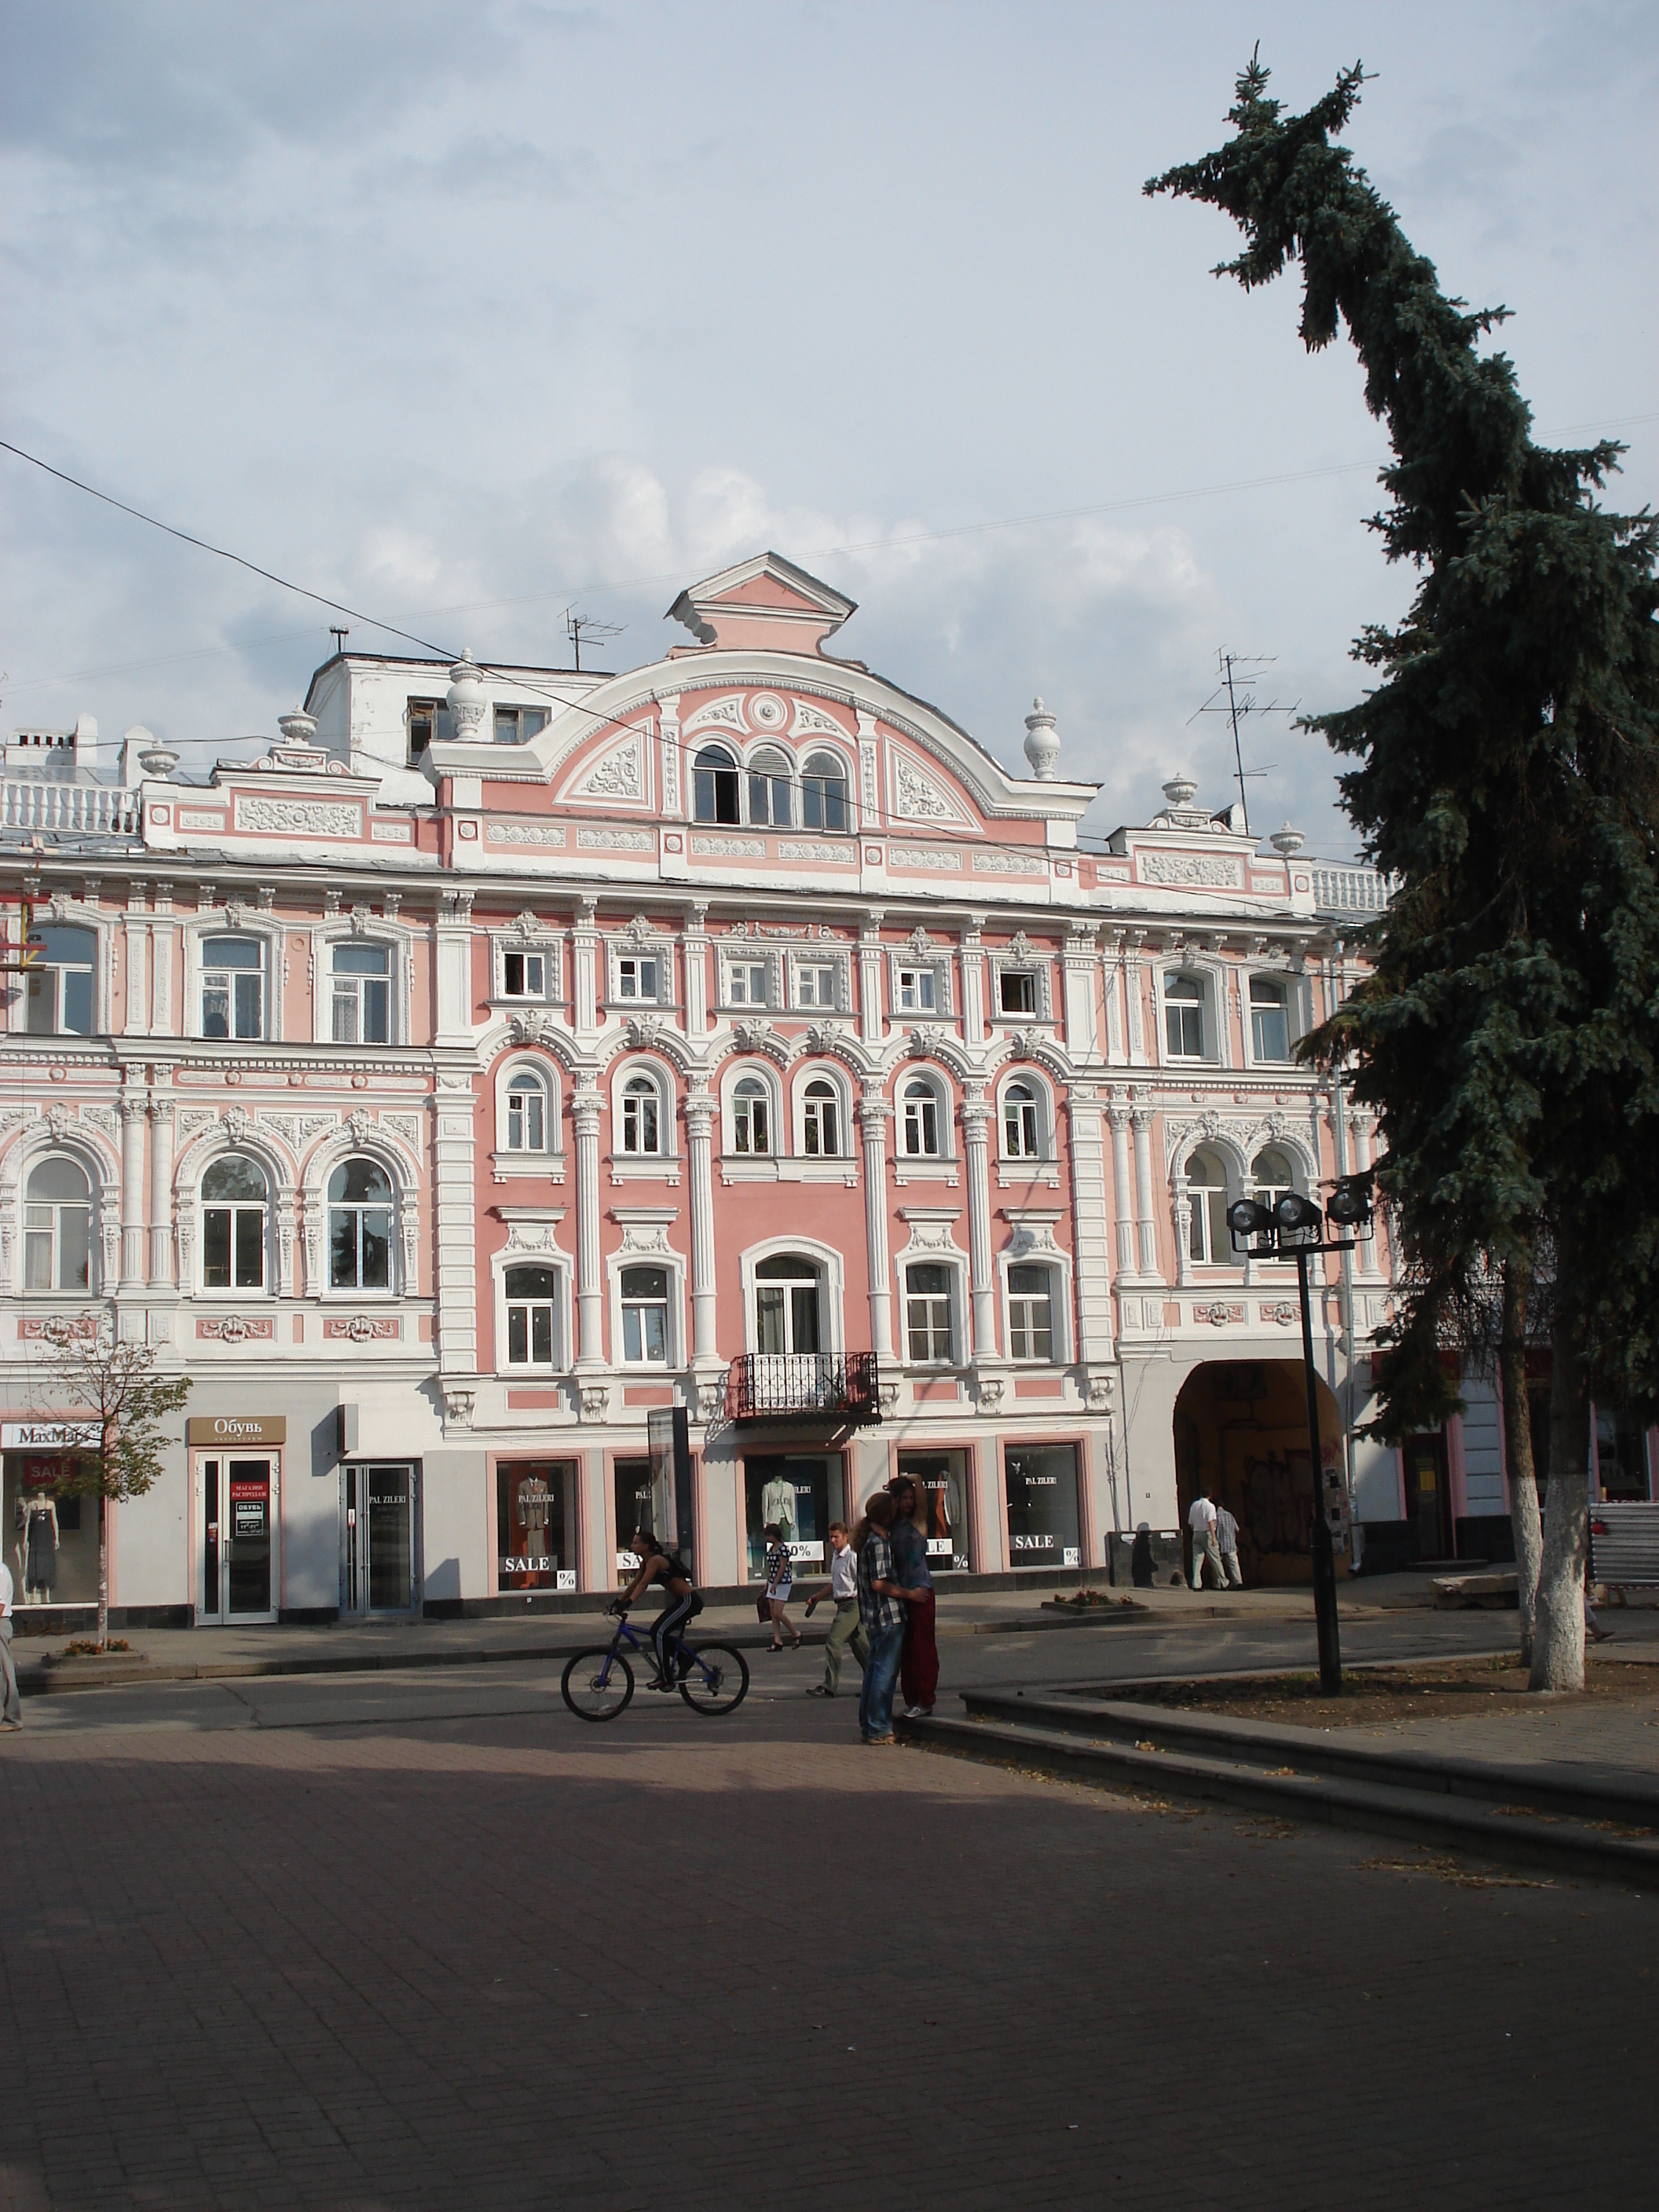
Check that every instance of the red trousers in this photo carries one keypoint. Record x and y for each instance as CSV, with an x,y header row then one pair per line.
x,y
918,1667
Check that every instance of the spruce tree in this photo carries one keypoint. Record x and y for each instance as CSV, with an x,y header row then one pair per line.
x,y
1507,776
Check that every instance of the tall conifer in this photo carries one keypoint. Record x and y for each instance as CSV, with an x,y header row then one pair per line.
x,y
1508,775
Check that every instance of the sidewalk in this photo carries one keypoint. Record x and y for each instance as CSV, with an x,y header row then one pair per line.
x,y
161,1655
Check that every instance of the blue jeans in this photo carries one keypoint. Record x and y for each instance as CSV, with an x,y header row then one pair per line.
x,y
880,1674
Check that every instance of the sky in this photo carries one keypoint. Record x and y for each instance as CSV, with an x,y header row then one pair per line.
x,y
465,315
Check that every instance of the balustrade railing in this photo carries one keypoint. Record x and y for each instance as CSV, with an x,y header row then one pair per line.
x,y
85,810
797,1386
1339,890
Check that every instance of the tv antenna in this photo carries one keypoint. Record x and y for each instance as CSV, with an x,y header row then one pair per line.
x,y
1234,696
581,626
339,637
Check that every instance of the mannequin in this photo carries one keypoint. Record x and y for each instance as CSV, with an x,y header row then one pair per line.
x,y
778,1504
534,1502
37,1546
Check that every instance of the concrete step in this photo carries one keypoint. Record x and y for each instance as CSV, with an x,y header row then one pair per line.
x,y
1631,1799
1520,1835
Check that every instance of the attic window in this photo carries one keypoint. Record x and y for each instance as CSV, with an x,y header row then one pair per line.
x,y
423,725
516,726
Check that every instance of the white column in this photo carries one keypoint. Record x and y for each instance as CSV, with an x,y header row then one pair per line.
x,y
1079,967
1140,1121
872,1028
976,1122
585,997
160,1191
454,1197
699,1149
134,1113
1111,965
973,981
1091,1241
1360,1124
697,973
452,960
874,1113
1132,1001
590,1288
1122,1188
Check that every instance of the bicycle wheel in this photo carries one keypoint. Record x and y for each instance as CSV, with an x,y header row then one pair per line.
x,y
716,1679
598,1684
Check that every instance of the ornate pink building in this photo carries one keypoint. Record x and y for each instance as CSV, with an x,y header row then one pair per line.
x,y
511,1052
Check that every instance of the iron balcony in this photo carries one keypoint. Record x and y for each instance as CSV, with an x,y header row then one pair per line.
x,y
772,1386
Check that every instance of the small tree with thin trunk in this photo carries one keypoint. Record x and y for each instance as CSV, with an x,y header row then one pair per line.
x,y
113,1387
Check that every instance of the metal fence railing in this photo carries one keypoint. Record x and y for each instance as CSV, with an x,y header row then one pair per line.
x,y
804,1386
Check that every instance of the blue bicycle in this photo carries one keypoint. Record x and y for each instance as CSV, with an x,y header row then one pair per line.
x,y
598,1684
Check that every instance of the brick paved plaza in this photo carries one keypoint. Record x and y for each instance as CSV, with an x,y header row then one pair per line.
x,y
500,1961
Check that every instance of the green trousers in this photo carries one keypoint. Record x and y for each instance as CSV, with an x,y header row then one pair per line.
x,y
847,1629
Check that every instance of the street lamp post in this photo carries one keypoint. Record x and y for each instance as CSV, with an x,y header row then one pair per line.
x,y
1292,1228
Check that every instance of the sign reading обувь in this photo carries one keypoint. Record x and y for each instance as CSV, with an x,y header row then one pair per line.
x,y
236,1428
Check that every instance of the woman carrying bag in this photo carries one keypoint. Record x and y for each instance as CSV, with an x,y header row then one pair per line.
x,y
780,1581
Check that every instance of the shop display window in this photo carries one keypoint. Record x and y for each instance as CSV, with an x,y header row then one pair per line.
x,y
51,1535
944,1475
535,1524
641,1502
1042,1505
803,1496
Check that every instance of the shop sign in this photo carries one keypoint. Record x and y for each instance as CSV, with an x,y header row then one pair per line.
x,y
236,1428
564,1578
49,1436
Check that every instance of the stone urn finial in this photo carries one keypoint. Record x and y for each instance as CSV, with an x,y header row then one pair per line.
x,y
154,757
1286,841
1042,744
298,728
1180,792
468,702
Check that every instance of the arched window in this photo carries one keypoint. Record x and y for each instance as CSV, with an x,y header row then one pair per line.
x,y
1208,1239
526,1113
714,786
235,1199
927,1314
1270,1179
645,1315
58,1228
788,1310
359,1227
751,1116
58,984
1270,1020
1022,1122
641,1116
1184,1016
921,1120
824,793
362,993
821,1120
233,987
529,1295
768,790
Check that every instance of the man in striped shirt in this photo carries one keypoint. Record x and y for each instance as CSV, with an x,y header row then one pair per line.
x,y
1226,1536
881,1610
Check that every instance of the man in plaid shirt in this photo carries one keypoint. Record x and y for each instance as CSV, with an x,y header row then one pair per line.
x,y
881,1610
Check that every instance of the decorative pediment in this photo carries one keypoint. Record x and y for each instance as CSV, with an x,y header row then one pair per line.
x,y
765,603
918,796
618,774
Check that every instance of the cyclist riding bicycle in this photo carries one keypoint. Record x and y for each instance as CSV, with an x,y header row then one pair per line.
x,y
663,1565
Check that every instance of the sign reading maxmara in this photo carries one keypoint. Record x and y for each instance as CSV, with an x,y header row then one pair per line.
x,y
508,1054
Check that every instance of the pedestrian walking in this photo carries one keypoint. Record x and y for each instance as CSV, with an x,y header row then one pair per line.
x,y
1200,1519
1226,1537
11,1713
919,1661
847,1630
780,1581
881,1609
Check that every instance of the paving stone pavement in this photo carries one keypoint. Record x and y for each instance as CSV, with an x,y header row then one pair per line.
x,y
510,1962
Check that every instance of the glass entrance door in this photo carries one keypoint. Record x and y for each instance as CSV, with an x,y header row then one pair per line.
x,y
237,1500
377,1538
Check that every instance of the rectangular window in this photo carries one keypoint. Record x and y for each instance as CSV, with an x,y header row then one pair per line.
x,y
422,720
915,990
1042,1506
636,978
535,1524
815,986
645,1316
1183,1018
1030,1314
746,983
524,974
1270,1025
1016,991
58,984
232,988
516,726
928,1315
362,994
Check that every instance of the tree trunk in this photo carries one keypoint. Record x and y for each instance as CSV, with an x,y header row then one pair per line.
x,y
103,1574
1558,1645
1524,1518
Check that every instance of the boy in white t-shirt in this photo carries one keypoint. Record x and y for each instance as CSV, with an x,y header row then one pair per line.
x,y
847,1631
12,1715
1200,1519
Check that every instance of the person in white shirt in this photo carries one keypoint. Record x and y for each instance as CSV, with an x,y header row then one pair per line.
x,y
1226,1536
1200,1519
847,1632
12,1715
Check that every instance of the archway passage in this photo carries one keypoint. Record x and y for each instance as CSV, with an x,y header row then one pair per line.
x,y
1241,1437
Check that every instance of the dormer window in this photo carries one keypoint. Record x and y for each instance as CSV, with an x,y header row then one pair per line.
x,y
516,726
422,720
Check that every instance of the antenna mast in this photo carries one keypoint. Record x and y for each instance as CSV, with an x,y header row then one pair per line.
x,y
580,626
1240,669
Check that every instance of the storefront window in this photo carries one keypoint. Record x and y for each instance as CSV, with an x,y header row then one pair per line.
x,y
944,1477
641,1503
535,1524
1621,1454
51,1536
803,1496
1042,1514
